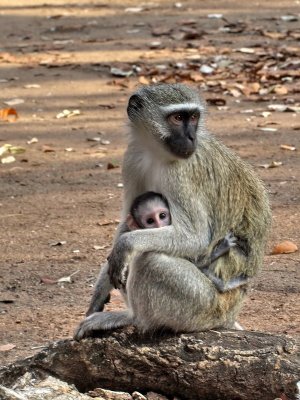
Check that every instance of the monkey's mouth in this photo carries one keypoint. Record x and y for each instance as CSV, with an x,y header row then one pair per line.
x,y
183,152
180,147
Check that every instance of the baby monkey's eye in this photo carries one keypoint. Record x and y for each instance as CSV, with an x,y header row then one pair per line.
x,y
162,215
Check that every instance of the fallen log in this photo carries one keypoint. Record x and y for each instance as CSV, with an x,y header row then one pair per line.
x,y
207,365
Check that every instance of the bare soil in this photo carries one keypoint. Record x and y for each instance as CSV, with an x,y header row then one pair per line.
x,y
65,188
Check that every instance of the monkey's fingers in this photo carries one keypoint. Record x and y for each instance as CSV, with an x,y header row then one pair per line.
x,y
88,325
231,240
101,321
83,330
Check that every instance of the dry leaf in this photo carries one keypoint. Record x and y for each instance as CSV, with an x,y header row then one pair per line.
x,y
8,114
190,21
280,89
206,69
160,31
105,223
134,10
235,92
284,108
215,16
8,160
252,87
246,50
7,347
268,129
143,80
9,148
265,114
218,101
32,86
273,164
266,123
67,114
33,140
94,139
289,18
67,279
155,45
285,247
196,76
47,280
120,72
111,165
48,149
107,106
100,247
275,35
191,33
287,147
14,102
59,243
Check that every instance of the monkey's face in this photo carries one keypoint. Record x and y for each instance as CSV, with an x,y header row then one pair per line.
x,y
183,125
151,216
168,114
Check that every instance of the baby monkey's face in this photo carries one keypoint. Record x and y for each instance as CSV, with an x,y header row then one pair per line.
x,y
153,213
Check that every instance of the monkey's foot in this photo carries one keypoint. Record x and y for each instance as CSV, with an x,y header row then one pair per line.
x,y
102,321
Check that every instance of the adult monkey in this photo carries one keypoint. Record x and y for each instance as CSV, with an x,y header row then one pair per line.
x,y
210,191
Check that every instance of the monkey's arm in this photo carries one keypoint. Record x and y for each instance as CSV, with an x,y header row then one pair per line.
x,y
165,240
101,292
222,248
103,285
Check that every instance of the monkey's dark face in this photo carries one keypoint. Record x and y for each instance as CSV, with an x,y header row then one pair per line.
x,y
171,115
183,125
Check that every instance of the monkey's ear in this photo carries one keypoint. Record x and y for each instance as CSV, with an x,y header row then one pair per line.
x,y
135,105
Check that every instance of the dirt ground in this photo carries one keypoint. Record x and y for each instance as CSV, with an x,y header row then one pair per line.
x,y
65,188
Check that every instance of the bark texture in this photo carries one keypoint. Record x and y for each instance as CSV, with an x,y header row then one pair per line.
x,y
208,365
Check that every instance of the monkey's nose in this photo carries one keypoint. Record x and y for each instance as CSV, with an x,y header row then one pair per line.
x,y
191,135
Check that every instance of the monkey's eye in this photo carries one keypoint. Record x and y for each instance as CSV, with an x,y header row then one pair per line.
x,y
176,118
194,118
150,221
162,215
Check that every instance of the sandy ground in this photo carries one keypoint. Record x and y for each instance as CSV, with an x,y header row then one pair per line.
x,y
58,55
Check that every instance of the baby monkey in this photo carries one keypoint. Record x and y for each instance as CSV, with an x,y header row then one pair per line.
x,y
151,210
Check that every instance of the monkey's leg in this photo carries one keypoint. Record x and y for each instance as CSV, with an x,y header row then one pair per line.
x,y
102,321
222,286
101,292
165,291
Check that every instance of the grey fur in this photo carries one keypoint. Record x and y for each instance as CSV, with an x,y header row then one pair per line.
x,y
210,193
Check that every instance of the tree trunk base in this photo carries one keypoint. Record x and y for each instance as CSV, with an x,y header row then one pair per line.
x,y
227,365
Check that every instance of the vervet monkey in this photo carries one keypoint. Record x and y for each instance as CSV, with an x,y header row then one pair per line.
x,y
210,192
151,210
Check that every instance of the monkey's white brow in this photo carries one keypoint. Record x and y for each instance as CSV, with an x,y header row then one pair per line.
x,y
181,107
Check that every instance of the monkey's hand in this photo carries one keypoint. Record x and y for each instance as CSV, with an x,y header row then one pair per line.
x,y
118,263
